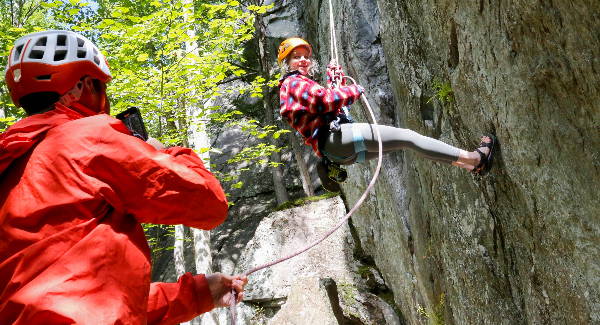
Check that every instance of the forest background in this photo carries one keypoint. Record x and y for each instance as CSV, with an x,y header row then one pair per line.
x,y
173,59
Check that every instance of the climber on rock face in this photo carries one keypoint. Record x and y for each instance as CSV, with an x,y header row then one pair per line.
x,y
317,113
75,187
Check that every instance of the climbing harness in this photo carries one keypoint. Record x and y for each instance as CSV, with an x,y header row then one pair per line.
x,y
356,206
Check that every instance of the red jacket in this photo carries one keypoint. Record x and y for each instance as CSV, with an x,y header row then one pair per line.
x,y
307,106
73,192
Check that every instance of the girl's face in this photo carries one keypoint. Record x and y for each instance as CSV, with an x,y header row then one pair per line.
x,y
300,60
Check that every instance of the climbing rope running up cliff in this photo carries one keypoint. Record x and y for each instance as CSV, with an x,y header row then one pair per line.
x,y
356,206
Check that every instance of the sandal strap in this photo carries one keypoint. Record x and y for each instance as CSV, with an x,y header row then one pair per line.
x,y
485,145
483,159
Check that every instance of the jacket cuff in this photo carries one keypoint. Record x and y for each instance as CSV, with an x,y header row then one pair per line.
x,y
205,300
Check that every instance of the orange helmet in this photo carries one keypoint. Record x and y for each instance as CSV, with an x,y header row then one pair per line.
x,y
289,45
53,60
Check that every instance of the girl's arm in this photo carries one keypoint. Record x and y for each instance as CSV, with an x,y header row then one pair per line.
x,y
315,98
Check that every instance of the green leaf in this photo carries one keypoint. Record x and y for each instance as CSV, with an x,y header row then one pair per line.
x,y
142,57
48,5
234,3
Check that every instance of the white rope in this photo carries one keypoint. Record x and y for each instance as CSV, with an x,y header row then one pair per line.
x,y
333,41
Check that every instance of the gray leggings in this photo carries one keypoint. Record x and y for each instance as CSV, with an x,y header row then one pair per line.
x,y
340,145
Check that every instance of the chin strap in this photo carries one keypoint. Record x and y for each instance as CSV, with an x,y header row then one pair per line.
x,y
71,98
72,95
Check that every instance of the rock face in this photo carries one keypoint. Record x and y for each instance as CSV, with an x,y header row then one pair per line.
x,y
324,285
285,232
310,302
519,246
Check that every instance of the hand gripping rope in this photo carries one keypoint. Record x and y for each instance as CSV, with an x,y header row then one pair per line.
x,y
356,206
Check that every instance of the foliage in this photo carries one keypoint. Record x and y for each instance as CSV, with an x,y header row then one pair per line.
x,y
18,17
259,315
444,91
348,291
437,317
170,58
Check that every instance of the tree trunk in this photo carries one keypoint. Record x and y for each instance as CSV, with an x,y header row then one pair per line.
x,y
278,181
200,139
178,252
304,174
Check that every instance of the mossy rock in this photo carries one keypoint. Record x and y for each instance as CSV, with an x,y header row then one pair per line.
x,y
303,201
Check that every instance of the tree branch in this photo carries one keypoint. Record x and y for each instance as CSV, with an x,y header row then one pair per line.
x,y
242,77
242,67
30,12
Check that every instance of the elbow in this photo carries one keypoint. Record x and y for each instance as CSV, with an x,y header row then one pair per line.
x,y
218,208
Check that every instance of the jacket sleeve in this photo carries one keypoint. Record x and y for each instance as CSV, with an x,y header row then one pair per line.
x,y
170,186
174,303
319,100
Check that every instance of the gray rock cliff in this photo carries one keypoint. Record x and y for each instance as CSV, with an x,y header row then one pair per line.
x,y
519,246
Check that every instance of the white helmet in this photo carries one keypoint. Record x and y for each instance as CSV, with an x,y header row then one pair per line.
x,y
53,60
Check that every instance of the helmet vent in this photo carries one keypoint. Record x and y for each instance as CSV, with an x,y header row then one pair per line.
x,y
97,60
44,77
61,40
60,55
81,49
95,51
41,41
18,52
37,53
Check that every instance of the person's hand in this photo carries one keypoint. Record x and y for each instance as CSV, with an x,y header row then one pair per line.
x,y
220,288
333,62
155,143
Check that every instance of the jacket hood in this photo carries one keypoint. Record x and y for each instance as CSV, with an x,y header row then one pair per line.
x,y
23,135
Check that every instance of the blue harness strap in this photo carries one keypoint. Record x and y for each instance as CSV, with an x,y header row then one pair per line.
x,y
359,143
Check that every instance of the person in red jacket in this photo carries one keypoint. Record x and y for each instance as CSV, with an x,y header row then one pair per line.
x,y
317,113
75,187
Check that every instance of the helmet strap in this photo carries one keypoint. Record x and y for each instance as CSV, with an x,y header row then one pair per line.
x,y
72,95
71,98
103,102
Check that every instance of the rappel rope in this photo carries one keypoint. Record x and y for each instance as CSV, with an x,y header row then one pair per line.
x,y
356,206
333,42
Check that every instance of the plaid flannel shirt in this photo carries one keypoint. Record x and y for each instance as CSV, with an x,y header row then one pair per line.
x,y
307,106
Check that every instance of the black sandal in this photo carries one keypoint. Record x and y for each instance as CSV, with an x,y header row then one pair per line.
x,y
487,161
323,171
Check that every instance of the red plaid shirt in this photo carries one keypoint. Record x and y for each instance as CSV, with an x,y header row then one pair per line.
x,y
307,106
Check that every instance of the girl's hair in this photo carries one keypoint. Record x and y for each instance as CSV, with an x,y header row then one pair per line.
x,y
285,67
